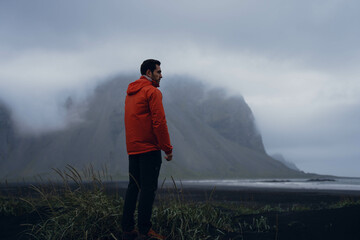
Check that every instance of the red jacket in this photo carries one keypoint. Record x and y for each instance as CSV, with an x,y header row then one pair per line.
x,y
145,123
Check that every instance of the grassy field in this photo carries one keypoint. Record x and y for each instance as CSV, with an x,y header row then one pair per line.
x,y
79,207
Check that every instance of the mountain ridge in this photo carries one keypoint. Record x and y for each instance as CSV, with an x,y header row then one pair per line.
x,y
213,135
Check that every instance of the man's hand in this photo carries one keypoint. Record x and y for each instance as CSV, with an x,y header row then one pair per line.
x,y
169,157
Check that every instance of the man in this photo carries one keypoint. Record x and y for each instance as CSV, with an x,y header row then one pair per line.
x,y
146,135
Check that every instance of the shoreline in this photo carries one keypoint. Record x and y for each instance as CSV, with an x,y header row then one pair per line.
x,y
201,192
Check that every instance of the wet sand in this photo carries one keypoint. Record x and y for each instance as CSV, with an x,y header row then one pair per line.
x,y
261,195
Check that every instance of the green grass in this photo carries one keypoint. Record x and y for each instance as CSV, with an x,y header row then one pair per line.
x,y
79,208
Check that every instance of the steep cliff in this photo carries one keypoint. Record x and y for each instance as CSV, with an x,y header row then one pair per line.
x,y
7,134
213,136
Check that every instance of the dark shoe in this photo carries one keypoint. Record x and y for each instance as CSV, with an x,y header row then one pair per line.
x,y
129,235
151,235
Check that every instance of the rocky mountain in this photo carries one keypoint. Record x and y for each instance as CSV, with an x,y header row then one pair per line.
x,y
7,135
280,157
213,135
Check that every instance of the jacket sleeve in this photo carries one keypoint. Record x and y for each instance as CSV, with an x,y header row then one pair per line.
x,y
159,121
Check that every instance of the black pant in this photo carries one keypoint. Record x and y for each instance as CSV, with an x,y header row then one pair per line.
x,y
143,175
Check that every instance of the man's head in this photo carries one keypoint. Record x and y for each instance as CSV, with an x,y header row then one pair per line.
x,y
151,68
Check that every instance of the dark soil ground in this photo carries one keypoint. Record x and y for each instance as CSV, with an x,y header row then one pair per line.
x,y
341,223
12,228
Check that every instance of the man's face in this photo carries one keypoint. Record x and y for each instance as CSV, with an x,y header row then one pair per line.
x,y
156,75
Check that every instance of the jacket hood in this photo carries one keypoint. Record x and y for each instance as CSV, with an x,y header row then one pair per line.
x,y
134,87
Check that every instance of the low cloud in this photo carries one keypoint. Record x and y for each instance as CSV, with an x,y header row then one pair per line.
x,y
295,63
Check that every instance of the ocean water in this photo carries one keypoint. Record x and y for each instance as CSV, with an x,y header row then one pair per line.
x,y
351,184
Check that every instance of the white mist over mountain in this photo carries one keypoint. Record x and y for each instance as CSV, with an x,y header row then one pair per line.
x,y
295,63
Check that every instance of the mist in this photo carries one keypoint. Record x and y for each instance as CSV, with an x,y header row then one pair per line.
x,y
295,65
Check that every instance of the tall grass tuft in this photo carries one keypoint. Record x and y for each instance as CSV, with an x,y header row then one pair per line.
x,y
177,218
77,209
191,221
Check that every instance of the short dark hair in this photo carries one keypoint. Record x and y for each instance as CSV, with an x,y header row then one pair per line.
x,y
149,64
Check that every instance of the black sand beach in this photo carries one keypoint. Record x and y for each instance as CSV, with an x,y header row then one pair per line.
x,y
316,221
322,223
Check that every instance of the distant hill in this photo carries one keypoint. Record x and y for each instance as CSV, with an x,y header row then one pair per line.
x,y
214,136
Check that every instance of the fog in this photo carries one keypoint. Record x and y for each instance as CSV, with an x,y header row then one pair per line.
x,y
295,63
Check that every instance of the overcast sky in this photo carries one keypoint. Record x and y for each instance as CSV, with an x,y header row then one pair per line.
x,y
295,62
